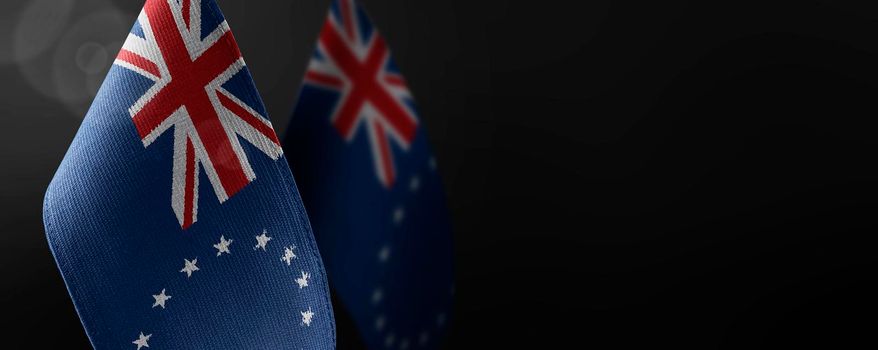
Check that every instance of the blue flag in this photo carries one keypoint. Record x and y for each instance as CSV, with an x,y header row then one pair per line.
x,y
369,182
174,218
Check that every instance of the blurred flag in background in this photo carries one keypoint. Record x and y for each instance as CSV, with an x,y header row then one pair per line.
x,y
369,182
174,218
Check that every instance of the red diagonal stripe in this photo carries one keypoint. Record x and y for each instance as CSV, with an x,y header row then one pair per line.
x,y
217,144
189,188
139,62
344,59
187,89
248,117
324,79
395,80
186,12
385,158
340,53
398,118
347,18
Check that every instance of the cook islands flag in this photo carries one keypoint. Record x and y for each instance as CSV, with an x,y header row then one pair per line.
x,y
370,184
174,218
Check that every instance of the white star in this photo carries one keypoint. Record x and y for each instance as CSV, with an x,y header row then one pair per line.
x,y
190,267
289,255
384,253
432,163
415,184
389,340
404,344
262,241
377,295
424,338
440,319
307,316
223,246
142,341
379,322
160,299
303,281
398,215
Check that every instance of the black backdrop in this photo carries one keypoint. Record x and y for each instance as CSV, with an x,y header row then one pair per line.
x,y
696,174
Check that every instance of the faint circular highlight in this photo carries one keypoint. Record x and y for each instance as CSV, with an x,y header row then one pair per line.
x,y
74,70
38,26
92,57
9,11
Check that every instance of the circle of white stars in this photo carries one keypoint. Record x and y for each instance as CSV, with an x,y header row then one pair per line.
x,y
224,247
377,297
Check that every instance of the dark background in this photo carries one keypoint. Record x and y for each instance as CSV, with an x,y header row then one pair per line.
x,y
695,174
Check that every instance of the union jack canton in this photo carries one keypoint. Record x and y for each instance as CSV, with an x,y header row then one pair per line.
x,y
231,263
191,67
353,61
